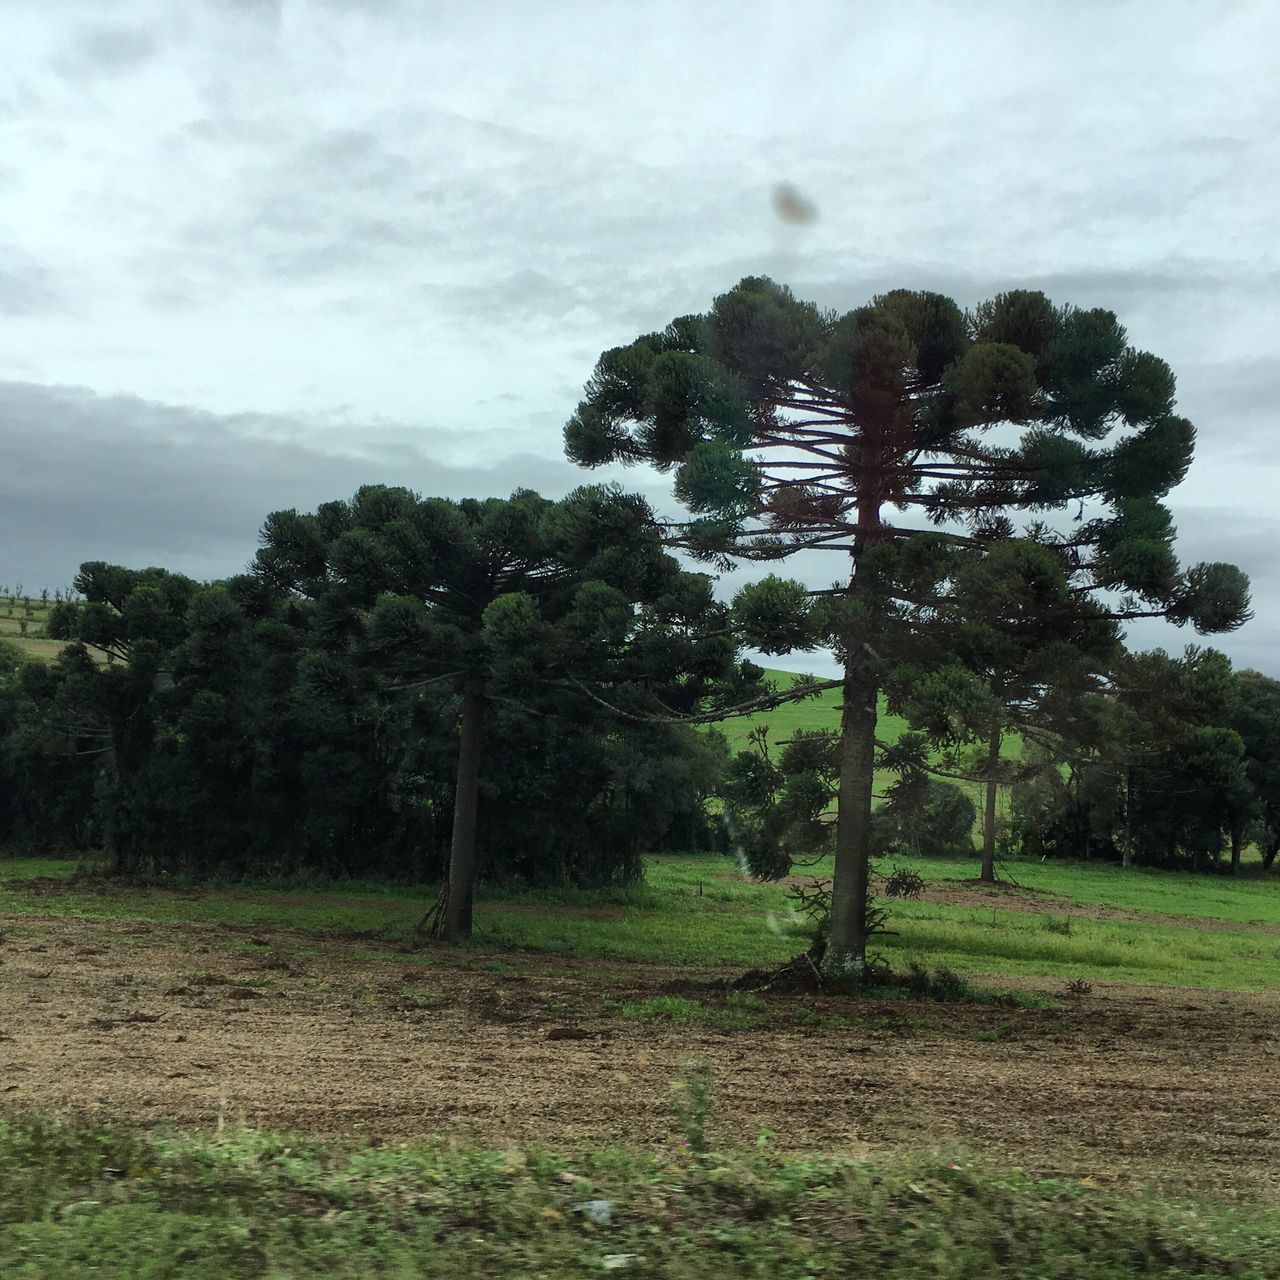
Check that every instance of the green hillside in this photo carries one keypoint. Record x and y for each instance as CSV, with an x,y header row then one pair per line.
x,y
819,713
823,713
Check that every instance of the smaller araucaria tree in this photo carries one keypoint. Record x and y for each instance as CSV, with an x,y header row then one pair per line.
x,y
1016,650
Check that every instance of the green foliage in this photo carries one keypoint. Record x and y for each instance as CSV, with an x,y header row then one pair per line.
x,y
304,717
1253,711
1170,770
933,820
690,1103
774,811
773,615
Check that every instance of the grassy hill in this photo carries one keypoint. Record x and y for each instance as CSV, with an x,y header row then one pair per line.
x,y
819,713
23,622
823,713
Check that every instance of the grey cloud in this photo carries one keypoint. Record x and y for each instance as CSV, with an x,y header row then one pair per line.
x,y
115,49
84,476
413,209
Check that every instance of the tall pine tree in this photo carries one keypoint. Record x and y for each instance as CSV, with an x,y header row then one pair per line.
x,y
897,436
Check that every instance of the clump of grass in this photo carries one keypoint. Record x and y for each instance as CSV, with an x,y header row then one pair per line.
x,y
739,1012
690,1102
948,987
937,984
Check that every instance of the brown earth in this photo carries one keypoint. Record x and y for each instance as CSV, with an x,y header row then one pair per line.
x,y
187,1025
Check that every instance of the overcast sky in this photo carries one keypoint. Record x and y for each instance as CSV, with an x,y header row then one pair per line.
x,y
255,253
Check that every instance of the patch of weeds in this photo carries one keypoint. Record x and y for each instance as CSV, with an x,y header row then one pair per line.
x,y
1061,925
690,1102
740,1012
995,1035
1079,987
948,987
808,1016
941,984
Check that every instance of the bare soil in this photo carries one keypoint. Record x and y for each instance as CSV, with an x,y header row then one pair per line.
x,y
197,1027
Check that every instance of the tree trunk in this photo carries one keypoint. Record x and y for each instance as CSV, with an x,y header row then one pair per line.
x,y
1236,842
989,811
462,850
1127,857
117,855
1269,855
117,859
846,954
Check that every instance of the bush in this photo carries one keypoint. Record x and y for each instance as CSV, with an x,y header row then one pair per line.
x,y
940,827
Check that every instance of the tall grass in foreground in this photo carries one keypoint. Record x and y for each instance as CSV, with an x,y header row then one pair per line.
x,y
79,1201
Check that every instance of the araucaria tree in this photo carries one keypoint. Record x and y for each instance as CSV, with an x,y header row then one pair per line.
x,y
902,436
501,601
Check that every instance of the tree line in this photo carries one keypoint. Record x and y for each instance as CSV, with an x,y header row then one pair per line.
x,y
517,684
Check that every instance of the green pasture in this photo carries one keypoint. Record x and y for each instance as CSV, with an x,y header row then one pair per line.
x,y
14,611
698,912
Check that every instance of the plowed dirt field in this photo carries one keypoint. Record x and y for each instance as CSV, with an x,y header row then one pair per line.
x,y
200,1026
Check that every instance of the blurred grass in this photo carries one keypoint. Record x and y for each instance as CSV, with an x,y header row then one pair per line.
x,y
79,1200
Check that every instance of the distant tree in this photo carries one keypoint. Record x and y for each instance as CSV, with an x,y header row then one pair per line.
x,y
494,600
1184,769
790,428
1253,711
49,755
1018,648
136,619
1154,770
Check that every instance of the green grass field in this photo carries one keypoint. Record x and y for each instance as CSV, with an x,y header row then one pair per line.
x,y
697,911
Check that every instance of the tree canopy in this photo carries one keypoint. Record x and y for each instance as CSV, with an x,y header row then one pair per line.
x,y
501,600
